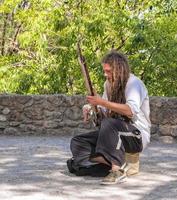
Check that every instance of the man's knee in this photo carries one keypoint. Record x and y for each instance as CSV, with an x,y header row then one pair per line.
x,y
106,122
74,141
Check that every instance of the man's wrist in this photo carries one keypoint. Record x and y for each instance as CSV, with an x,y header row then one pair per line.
x,y
105,103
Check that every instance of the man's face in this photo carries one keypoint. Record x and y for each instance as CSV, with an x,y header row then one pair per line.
x,y
107,71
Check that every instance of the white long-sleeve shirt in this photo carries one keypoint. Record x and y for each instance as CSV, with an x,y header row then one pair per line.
x,y
137,98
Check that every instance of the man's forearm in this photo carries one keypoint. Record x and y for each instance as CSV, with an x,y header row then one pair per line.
x,y
122,109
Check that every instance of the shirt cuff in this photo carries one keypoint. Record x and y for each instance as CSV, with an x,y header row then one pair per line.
x,y
134,109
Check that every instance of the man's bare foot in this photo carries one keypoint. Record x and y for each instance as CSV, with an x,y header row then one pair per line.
x,y
99,159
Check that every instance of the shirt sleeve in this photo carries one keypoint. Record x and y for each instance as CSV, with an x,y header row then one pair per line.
x,y
135,94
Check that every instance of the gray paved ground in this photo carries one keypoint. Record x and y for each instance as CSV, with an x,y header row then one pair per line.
x,y
34,168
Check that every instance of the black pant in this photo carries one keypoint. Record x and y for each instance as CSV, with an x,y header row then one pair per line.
x,y
112,140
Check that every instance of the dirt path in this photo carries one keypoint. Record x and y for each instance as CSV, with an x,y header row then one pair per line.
x,y
35,168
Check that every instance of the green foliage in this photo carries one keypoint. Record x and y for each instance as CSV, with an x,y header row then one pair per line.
x,y
38,43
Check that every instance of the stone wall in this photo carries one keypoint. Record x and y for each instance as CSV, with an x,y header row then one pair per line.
x,y
164,118
61,115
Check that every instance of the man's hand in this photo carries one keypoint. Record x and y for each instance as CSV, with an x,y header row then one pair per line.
x,y
95,100
86,112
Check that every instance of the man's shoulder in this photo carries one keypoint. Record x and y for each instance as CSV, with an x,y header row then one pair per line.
x,y
134,81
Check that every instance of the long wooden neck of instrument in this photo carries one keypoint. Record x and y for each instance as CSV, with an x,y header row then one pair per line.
x,y
85,73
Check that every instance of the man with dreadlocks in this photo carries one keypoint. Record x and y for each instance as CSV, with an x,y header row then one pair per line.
x,y
125,129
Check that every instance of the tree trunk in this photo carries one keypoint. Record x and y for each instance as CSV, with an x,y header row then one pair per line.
x,y
4,34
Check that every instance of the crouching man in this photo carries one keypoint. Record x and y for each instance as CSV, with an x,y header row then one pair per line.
x,y
124,131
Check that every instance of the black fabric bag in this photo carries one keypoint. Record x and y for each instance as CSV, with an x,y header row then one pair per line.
x,y
97,170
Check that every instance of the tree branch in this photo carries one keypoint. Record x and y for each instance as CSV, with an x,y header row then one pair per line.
x,y
123,40
14,40
4,34
145,69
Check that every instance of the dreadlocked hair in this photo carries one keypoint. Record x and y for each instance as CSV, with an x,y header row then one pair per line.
x,y
120,74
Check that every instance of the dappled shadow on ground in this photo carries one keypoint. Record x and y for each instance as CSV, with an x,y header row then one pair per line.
x,y
35,167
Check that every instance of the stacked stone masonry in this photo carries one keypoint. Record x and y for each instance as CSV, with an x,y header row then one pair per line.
x,y
61,115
